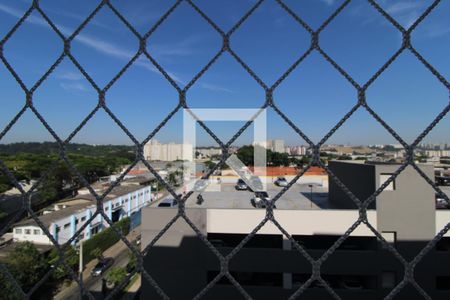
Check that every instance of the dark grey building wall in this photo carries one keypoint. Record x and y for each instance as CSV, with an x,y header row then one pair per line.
x,y
409,209
358,178
177,260
183,266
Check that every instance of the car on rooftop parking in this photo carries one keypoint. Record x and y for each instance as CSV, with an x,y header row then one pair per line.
x,y
241,185
281,181
260,199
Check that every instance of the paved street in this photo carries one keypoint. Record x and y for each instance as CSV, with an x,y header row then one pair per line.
x,y
118,251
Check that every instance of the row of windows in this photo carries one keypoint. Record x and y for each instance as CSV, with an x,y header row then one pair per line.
x,y
313,242
83,219
28,231
359,282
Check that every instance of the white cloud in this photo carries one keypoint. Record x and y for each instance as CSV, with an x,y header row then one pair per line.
x,y
72,76
401,7
215,88
73,86
406,12
94,43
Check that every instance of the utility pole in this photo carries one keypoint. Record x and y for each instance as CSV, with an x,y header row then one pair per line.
x,y
81,261
311,200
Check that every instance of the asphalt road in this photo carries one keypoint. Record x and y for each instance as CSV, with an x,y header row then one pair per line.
x,y
119,252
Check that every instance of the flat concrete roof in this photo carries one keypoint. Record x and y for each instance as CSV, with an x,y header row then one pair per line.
x,y
297,197
49,218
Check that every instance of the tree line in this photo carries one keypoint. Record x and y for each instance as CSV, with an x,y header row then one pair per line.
x,y
30,161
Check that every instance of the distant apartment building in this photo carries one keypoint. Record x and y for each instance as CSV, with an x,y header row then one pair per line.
x,y
437,153
270,267
155,150
272,145
296,150
67,216
208,152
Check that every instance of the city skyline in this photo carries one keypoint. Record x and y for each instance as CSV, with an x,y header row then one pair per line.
x,y
142,104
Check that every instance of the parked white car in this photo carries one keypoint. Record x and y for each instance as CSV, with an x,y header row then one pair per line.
x,y
281,181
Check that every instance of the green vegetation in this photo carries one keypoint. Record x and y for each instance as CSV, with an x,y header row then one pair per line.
x,y
49,148
174,178
97,253
116,275
275,159
26,265
132,261
70,257
28,161
104,239
2,215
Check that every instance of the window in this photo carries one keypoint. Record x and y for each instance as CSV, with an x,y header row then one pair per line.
x,y
250,278
390,237
18,231
76,221
57,229
83,219
37,231
443,283
383,178
387,280
106,208
27,231
66,225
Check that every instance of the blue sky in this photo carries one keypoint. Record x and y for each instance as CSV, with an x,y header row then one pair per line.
x,y
315,96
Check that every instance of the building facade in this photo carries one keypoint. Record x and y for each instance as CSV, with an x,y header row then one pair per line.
x,y
437,153
269,266
155,150
67,217
208,152
272,145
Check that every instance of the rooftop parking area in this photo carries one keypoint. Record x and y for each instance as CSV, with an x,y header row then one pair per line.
x,y
226,196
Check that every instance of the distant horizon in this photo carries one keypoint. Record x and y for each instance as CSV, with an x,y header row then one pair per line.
x,y
240,145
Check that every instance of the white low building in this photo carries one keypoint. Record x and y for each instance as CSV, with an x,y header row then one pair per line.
x,y
68,216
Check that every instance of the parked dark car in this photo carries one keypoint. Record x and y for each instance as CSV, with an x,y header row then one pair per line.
x,y
442,180
258,200
241,185
102,266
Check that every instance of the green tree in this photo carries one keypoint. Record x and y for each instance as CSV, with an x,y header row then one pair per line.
x,y
71,258
26,265
172,179
344,157
245,154
97,253
209,164
132,261
116,275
